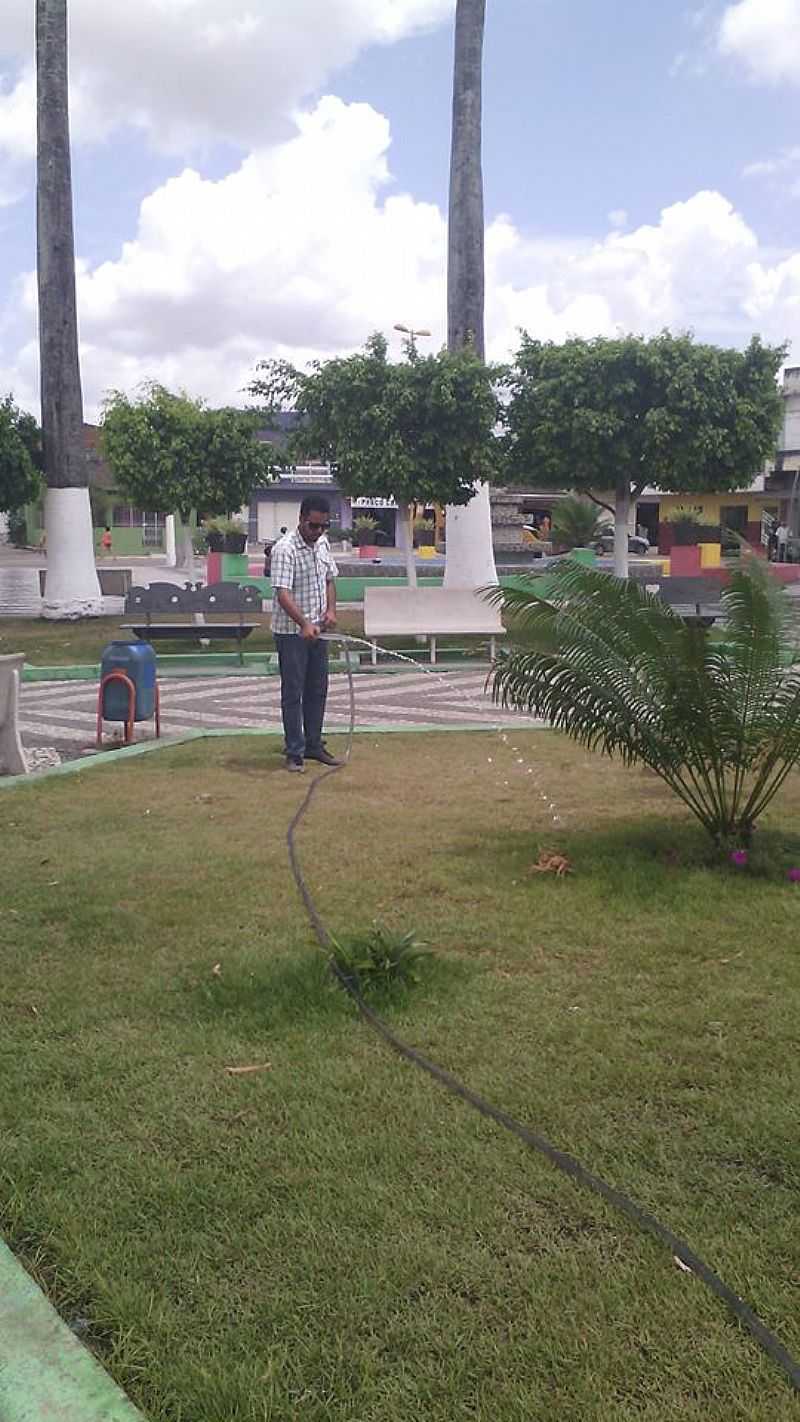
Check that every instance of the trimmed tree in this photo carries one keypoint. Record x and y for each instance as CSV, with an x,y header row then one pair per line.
x,y
73,589
615,415
470,554
20,457
421,431
168,452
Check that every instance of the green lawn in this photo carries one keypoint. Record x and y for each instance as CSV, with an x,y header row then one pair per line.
x,y
333,1238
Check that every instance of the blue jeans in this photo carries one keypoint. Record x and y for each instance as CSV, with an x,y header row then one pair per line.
x,y
304,691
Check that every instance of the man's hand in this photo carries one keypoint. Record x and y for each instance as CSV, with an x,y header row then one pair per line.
x,y
329,621
310,631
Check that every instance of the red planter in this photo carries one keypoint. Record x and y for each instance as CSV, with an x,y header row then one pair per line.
x,y
367,550
685,561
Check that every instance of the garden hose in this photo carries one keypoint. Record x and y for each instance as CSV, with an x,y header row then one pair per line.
x,y
562,1161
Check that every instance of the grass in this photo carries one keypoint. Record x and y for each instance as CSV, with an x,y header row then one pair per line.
x,y
332,1237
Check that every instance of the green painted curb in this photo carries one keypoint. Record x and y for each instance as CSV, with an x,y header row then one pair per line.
x,y
45,1373
73,767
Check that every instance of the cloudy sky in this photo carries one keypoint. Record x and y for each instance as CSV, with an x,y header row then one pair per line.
x,y
259,177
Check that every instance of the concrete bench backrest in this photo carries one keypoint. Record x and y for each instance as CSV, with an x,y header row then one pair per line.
x,y
12,756
435,611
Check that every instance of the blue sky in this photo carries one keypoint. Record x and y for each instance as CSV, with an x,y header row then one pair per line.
x,y
586,111
295,184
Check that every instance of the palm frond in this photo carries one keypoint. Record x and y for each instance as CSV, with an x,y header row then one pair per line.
x,y
615,668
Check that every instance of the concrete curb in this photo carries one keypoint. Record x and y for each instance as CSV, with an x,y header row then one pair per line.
x,y
45,1373
72,767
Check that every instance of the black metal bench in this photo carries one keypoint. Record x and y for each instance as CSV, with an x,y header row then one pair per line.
x,y
696,600
195,602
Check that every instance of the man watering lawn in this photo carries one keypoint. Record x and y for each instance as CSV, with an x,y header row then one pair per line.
x,y
303,606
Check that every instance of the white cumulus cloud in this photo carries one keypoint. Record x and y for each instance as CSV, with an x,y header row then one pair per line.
x,y
765,36
306,248
192,72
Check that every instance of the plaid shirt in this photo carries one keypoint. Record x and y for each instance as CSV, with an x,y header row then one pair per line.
x,y
303,571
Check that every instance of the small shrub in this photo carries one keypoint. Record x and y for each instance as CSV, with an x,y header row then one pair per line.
x,y
364,529
619,671
576,523
379,957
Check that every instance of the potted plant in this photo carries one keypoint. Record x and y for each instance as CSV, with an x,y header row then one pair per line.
x,y
686,534
214,535
235,535
424,532
365,536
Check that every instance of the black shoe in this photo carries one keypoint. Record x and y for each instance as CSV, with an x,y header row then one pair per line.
x,y
323,756
295,763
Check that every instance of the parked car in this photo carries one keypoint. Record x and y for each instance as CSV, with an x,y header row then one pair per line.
x,y
605,543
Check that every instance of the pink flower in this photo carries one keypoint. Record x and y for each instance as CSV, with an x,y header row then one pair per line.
x,y
793,876
739,858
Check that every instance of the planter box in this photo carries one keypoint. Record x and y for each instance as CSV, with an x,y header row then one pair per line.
x,y
367,550
710,555
685,561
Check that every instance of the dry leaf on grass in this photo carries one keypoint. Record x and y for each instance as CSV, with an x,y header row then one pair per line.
x,y
684,1268
248,1070
216,971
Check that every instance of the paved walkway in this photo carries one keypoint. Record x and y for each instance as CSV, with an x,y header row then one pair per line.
x,y
57,719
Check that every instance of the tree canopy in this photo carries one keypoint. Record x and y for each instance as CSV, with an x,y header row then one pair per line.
x,y
20,457
170,452
421,430
616,414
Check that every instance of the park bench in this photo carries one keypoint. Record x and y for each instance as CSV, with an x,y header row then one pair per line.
x,y
429,612
696,600
12,756
194,603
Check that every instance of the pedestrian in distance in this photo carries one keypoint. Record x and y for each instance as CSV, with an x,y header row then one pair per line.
x,y
304,576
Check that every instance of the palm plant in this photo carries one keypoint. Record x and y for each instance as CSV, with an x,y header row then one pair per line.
x,y
576,523
618,670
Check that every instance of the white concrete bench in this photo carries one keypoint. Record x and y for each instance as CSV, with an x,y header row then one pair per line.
x,y
12,756
430,612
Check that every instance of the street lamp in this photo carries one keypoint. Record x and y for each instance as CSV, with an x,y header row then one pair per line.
x,y
411,333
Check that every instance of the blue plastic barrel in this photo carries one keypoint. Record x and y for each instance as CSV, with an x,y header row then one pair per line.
x,y
138,661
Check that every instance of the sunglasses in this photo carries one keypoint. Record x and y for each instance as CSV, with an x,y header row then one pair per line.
x,y
317,527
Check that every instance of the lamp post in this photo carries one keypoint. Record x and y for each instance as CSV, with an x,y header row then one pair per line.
x,y
411,333
405,512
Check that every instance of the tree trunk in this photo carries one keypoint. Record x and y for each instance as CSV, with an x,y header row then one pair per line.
x,y
72,588
470,555
405,541
622,510
184,549
170,555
